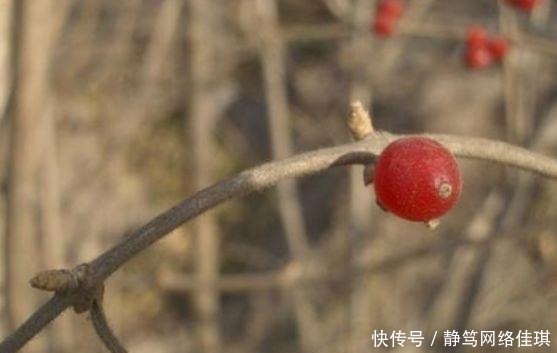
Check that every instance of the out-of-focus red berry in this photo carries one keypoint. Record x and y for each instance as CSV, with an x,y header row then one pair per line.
x,y
524,5
384,26
390,8
527,5
498,47
478,58
476,37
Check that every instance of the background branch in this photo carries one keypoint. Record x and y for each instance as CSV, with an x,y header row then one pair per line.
x,y
200,122
273,56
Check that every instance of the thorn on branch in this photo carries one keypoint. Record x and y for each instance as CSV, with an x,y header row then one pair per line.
x,y
360,125
359,121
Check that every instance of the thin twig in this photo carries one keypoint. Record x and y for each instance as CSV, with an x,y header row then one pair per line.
x,y
260,178
289,277
103,330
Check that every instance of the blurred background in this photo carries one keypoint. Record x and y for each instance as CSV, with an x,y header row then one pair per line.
x,y
113,111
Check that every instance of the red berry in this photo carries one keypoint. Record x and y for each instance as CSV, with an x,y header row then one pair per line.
x,y
417,179
498,47
476,37
390,8
384,26
524,5
478,58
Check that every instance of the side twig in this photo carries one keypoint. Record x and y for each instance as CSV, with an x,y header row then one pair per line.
x,y
103,329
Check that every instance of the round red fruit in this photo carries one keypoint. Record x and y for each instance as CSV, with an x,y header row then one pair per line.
x,y
476,37
417,179
390,8
384,26
498,47
478,58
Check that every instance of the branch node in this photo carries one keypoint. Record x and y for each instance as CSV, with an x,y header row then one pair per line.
x,y
359,121
87,292
75,282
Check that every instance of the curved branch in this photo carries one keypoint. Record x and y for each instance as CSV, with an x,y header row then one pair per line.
x,y
263,177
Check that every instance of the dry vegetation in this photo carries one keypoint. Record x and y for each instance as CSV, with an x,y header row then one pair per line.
x,y
116,110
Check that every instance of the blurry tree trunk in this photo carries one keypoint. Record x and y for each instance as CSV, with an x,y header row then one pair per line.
x,y
6,10
52,234
154,64
53,243
5,87
272,57
514,107
35,23
202,117
360,210
163,34
22,240
50,220
122,43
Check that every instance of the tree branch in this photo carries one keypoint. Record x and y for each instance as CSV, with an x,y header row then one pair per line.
x,y
35,323
260,178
